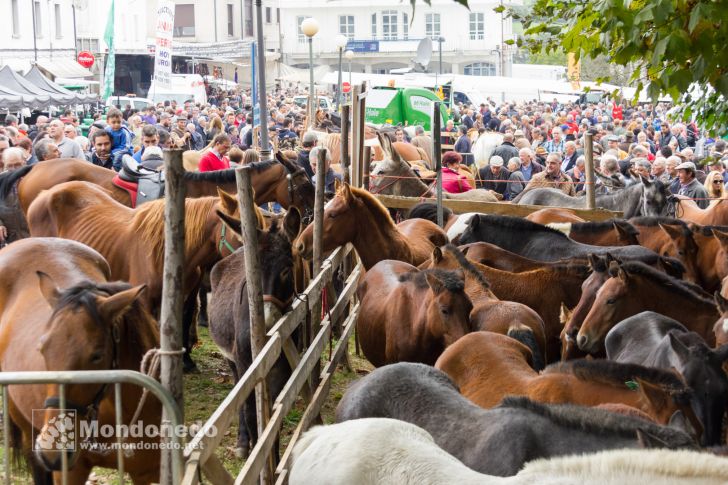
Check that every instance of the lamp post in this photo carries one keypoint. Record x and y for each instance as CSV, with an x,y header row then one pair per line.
x,y
349,54
310,27
341,42
265,153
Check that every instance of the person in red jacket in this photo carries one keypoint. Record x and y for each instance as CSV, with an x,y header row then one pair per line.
x,y
452,181
216,158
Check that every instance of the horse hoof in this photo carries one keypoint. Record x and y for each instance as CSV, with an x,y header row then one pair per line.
x,y
241,453
188,365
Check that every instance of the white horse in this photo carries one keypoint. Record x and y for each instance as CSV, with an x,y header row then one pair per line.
x,y
484,146
382,451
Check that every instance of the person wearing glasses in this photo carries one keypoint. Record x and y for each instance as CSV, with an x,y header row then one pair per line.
x,y
70,131
715,185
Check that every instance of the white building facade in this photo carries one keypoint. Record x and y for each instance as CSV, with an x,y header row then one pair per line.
x,y
385,34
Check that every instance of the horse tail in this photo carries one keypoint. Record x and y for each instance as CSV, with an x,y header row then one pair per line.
x,y
19,459
525,335
8,179
428,211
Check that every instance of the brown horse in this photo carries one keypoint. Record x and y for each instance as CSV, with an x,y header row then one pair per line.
x,y
356,216
634,287
132,240
410,315
499,258
487,367
543,290
60,312
715,215
614,232
489,312
270,181
554,214
712,255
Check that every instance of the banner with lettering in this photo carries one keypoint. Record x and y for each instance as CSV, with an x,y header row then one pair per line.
x,y
163,45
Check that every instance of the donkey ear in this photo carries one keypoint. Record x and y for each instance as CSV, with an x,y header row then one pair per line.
x,y
228,202
680,349
234,224
720,302
435,283
48,288
292,223
647,440
118,304
436,255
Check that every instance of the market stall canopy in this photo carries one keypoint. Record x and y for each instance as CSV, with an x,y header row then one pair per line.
x,y
297,75
33,96
37,78
66,68
10,100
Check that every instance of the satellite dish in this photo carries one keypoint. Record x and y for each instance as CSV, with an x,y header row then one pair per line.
x,y
424,54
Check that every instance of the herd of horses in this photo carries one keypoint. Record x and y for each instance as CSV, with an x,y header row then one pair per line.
x,y
501,344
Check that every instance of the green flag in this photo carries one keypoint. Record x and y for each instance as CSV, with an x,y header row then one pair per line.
x,y
110,59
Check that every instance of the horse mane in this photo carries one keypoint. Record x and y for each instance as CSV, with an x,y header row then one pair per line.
x,y
598,421
519,224
226,176
618,373
653,221
468,266
683,288
604,225
378,210
262,166
8,179
292,167
83,295
148,223
449,279
428,211
708,230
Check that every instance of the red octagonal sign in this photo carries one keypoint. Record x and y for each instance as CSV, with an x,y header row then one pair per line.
x,y
86,59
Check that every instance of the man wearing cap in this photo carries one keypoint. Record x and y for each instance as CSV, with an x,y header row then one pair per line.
x,y
689,185
613,144
552,177
309,141
493,176
181,137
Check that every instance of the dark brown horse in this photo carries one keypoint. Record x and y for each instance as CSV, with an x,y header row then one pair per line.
x,y
635,287
489,312
410,315
356,216
488,367
614,232
60,312
496,257
274,181
132,240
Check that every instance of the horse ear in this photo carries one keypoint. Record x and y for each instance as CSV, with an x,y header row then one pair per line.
x,y
613,268
721,353
645,181
593,261
655,396
434,283
436,255
118,304
647,440
234,224
680,349
622,274
679,422
292,223
564,314
337,185
228,202
722,238
474,222
48,288
720,302
674,232
346,192
623,232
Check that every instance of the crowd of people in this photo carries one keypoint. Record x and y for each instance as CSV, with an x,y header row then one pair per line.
x,y
537,144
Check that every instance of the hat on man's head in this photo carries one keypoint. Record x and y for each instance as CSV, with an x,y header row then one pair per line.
x,y
686,166
518,133
496,161
309,138
541,151
612,138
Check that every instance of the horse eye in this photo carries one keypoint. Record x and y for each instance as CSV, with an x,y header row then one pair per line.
x,y
445,311
97,357
611,301
332,215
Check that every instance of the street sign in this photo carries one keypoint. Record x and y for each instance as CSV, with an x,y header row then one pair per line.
x,y
363,46
345,87
86,59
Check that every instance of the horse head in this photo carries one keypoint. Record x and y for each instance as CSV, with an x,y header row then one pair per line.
x,y
657,200
448,311
701,368
84,332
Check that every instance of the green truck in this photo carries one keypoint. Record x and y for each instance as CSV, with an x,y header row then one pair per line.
x,y
408,106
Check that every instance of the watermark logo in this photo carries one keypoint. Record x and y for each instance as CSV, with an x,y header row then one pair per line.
x,y
58,433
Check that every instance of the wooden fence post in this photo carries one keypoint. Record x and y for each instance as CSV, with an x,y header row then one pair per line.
x,y
345,139
255,300
172,295
355,153
318,212
366,161
437,158
361,101
589,170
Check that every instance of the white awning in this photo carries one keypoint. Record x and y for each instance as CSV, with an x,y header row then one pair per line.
x,y
64,68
